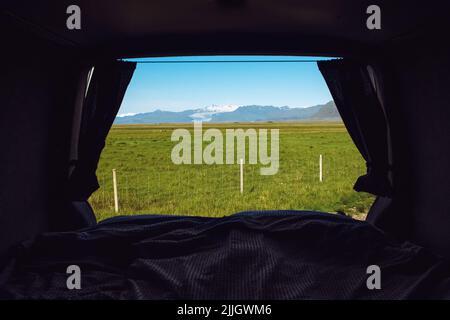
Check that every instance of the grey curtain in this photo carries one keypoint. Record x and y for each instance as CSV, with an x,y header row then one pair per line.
x,y
104,97
354,92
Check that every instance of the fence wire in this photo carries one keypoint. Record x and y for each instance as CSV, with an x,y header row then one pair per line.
x,y
145,190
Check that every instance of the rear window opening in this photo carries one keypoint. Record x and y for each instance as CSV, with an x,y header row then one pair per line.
x,y
212,136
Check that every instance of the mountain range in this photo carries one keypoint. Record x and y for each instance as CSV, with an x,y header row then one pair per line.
x,y
232,113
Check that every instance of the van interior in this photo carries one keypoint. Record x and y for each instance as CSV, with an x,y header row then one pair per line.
x,y
390,87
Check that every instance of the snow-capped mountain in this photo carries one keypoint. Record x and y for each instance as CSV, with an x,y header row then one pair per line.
x,y
205,114
232,113
120,115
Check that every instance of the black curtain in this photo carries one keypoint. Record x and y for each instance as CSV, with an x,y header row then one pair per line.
x,y
105,93
356,99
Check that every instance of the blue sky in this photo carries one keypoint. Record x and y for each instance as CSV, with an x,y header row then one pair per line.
x,y
182,86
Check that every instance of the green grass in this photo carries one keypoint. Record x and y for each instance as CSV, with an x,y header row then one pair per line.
x,y
149,183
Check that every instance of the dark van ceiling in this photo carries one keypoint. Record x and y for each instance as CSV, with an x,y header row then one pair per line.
x,y
142,27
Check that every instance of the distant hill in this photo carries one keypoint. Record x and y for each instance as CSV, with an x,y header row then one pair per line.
x,y
157,116
251,113
327,111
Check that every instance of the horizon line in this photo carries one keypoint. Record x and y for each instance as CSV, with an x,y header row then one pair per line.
x,y
130,114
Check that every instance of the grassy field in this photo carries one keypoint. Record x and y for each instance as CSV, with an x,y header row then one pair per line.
x,y
149,183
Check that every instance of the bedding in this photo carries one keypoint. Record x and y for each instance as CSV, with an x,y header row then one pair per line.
x,y
250,255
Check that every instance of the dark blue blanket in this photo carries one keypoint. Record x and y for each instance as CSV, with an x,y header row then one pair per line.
x,y
258,255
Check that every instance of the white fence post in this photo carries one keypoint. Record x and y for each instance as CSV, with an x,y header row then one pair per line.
x,y
116,198
242,175
320,169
